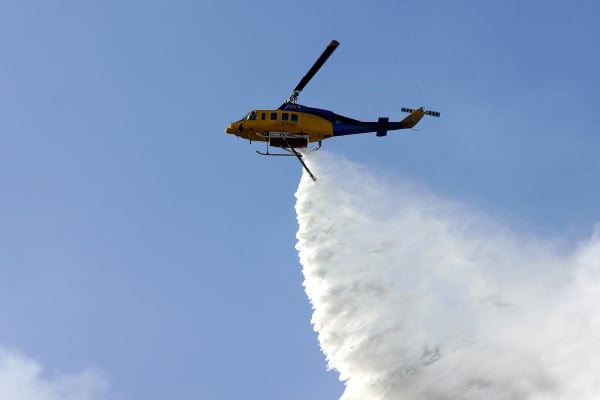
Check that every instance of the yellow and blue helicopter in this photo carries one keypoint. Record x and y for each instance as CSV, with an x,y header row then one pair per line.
x,y
293,126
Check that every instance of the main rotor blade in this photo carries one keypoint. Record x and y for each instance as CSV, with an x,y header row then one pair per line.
x,y
317,65
311,72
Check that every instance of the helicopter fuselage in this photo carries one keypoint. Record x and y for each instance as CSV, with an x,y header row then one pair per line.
x,y
311,124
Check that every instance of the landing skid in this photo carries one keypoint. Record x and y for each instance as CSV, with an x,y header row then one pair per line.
x,y
273,154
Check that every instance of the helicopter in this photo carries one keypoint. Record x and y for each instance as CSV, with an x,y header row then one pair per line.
x,y
293,126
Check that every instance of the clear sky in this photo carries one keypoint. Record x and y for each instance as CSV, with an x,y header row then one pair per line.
x,y
140,241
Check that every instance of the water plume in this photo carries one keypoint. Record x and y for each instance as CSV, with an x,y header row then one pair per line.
x,y
418,297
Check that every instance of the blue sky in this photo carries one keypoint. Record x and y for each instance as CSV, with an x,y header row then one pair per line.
x,y
138,239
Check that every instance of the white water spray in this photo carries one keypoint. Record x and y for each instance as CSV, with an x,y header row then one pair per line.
x,y
416,297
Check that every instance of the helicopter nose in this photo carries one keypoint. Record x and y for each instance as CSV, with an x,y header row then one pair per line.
x,y
235,127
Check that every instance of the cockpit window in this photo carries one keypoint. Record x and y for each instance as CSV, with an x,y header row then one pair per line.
x,y
251,116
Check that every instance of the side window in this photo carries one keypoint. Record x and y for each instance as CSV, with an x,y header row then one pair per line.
x,y
263,116
285,116
294,117
273,116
